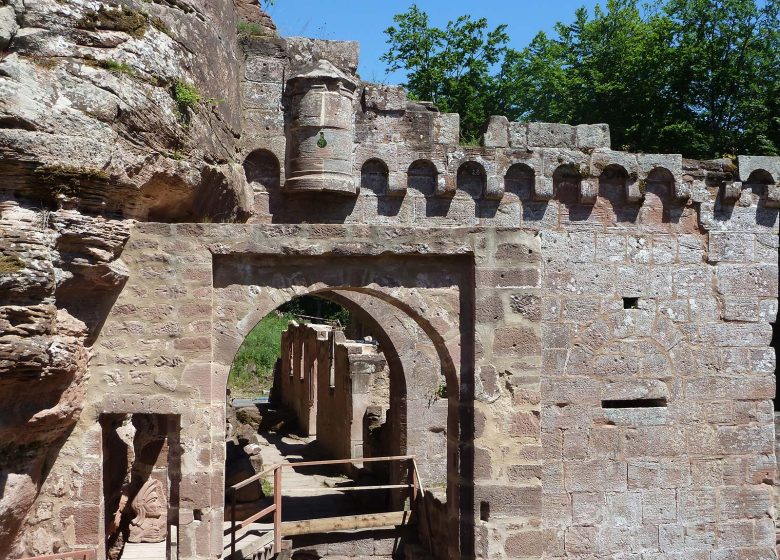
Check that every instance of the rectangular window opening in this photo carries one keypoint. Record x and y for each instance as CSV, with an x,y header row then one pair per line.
x,y
634,403
484,511
630,303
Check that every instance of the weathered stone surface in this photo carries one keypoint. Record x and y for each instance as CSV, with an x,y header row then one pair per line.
x,y
564,322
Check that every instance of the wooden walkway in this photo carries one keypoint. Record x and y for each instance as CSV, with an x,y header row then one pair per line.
x,y
312,502
144,551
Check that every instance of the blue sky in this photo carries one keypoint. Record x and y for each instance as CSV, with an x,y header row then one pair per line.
x,y
365,21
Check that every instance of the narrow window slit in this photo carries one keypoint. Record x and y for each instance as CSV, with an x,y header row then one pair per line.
x,y
484,511
634,403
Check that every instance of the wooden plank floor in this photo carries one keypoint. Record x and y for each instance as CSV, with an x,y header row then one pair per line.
x,y
144,551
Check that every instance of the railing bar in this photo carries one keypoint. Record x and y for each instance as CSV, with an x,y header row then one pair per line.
x,y
257,476
278,510
346,461
260,514
252,478
287,491
419,481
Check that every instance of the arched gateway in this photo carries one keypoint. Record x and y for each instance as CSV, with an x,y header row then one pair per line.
x,y
201,288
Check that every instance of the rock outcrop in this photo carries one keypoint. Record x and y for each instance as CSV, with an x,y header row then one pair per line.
x,y
109,112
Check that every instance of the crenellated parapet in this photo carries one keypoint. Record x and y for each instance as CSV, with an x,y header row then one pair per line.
x,y
315,130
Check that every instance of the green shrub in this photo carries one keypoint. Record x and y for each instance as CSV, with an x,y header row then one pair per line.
x,y
253,366
160,26
186,96
68,172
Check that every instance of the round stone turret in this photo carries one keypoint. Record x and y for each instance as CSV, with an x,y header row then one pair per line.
x,y
320,130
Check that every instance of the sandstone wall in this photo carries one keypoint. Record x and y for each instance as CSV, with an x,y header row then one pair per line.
x,y
563,287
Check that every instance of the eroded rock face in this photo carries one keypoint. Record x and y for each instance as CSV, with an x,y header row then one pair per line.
x,y
125,108
43,357
109,111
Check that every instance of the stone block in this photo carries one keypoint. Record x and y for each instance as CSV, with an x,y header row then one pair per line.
x,y
731,247
497,133
551,135
518,135
592,136
624,509
595,476
748,280
446,128
745,502
659,505
583,541
261,95
654,441
264,70
509,501
384,97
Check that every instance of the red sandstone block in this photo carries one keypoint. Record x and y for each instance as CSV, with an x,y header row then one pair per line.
x,y
199,376
193,343
86,519
506,278
654,441
525,424
582,540
593,476
747,439
527,543
740,502
509,501
195,490
516,341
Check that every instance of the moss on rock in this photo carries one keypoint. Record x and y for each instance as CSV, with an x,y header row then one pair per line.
x,y
126,19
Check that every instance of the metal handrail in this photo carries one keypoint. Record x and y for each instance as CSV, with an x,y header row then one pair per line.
x,y
276,506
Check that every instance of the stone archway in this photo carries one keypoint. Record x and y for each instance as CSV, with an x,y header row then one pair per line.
x,y
425,292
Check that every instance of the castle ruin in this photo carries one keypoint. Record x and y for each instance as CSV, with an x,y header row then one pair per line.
x,y
601,322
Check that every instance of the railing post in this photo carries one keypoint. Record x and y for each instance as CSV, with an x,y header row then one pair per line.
x,y
232,522
415,482
278,510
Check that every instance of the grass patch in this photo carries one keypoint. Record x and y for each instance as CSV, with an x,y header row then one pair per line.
x,y
117,67
46,62
10,264
249,29
126,19
160,26
186,96
68,179
252,371
471,142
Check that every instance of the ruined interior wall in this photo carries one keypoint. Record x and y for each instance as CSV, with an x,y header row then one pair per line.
x,y
343,404
301,359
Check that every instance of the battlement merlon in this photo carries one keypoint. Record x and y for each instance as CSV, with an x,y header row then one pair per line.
x,y
305,104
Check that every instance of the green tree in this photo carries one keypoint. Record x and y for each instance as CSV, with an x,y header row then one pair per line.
x,y
726,70
451,66
700,77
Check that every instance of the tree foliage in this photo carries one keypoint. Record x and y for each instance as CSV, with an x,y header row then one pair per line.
x,y
700,77
451,67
